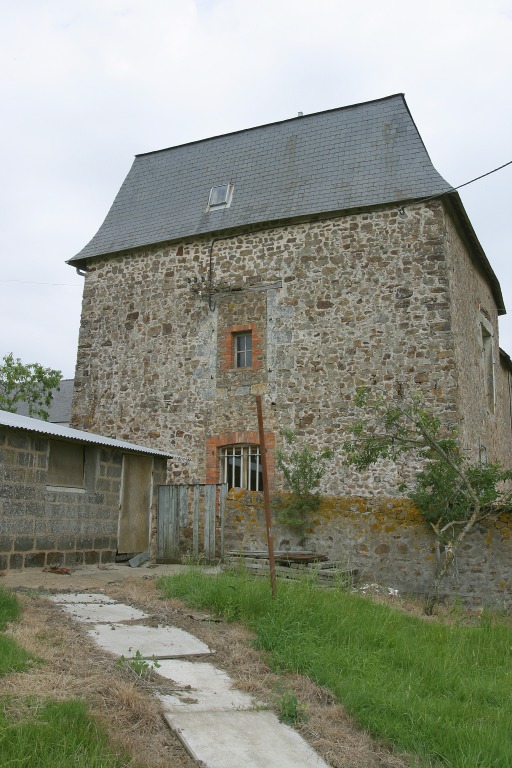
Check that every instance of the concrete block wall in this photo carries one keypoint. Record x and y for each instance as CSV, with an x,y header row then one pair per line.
x,y
42,526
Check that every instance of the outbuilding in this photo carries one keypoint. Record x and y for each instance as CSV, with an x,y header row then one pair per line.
x,y
69,497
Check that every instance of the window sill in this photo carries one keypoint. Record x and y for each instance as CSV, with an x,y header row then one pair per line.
x,y
64,489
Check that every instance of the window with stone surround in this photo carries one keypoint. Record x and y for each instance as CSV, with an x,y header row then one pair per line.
x,y
240,467
243,349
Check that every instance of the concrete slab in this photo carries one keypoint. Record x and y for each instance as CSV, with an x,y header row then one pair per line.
x,y
249,739
204,688
91,577
151,642
81,597
99,613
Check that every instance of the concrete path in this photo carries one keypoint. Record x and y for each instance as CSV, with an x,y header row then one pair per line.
x,y
220,726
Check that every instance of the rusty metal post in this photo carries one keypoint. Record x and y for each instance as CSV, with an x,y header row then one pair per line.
x,y
266,496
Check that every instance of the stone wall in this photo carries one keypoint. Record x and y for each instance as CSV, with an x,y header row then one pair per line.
x,y
388,542
483,429
376,298
363,299
43,526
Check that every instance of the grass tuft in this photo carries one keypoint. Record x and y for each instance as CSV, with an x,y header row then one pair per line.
x,y
441,691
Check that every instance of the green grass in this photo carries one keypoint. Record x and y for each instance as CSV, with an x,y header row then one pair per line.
x,y
9,608
55,735
443,692
35,734
13,658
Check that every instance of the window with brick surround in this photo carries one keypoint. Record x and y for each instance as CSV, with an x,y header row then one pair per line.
x,y
240,467
242,349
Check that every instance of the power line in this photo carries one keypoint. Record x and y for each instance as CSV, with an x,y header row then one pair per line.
x,y
452,189
484,175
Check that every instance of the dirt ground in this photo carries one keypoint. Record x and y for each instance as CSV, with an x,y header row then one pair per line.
x,y
126,705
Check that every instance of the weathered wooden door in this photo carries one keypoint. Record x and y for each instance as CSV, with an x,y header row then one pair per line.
x,y
135,508
189,515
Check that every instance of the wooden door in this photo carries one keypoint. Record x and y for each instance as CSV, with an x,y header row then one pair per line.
x,y
135,508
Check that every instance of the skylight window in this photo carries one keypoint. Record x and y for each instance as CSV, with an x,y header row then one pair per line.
x,y
220,197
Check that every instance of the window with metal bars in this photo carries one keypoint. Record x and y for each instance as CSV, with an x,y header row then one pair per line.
x,y
240,467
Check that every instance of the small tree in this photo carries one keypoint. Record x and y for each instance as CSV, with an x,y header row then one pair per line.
x,y
302,469
452,493
27,383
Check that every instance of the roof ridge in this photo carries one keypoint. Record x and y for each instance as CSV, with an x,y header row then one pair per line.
x,y
277,122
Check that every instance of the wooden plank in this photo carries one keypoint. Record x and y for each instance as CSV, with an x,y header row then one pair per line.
x,y
209,521
223,494
195,522
183,505
163,519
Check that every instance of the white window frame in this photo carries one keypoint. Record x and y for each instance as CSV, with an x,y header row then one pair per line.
x,y
244,460
217,199
242,351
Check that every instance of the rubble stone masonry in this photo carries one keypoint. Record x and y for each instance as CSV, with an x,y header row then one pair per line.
x,y
377,298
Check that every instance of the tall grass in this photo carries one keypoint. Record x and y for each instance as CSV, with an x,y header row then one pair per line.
x,y
440,691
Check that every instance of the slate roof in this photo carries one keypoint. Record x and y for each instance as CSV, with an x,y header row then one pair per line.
x,y
15,421
60,409
348,158
331,162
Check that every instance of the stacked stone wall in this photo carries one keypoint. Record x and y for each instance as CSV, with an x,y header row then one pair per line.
x,y
339,303
481,429
375,299
387,541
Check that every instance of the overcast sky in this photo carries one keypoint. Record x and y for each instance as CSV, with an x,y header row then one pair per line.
x,y
87,84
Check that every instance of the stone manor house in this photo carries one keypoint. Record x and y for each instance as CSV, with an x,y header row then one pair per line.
x,y
296,260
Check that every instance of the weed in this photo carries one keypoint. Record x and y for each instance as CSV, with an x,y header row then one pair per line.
x,y
290,711
193,560
139,665
9,608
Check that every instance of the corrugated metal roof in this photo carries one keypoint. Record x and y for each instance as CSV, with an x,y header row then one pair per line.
x,y
15,421
348,158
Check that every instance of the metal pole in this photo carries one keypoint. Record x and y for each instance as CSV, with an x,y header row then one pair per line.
x,y
266,496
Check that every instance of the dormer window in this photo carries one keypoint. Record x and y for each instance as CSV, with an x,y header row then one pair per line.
x,y
220,197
